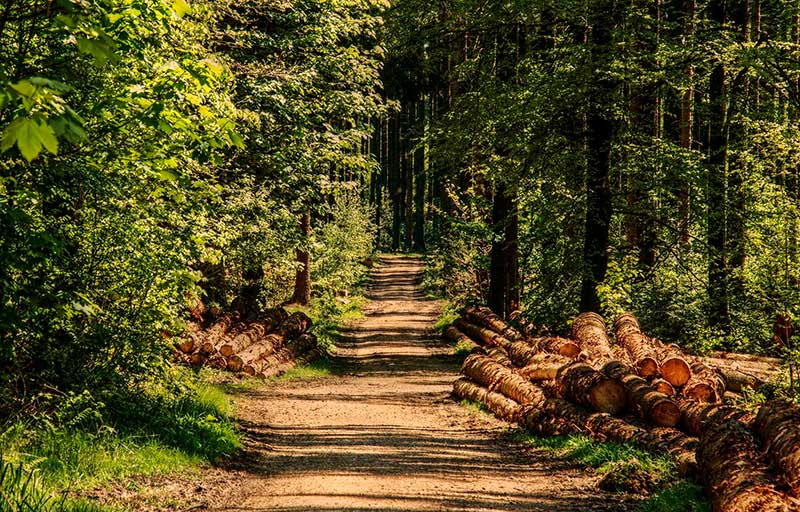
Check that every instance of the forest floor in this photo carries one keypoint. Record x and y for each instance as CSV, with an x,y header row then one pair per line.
x,y
381,432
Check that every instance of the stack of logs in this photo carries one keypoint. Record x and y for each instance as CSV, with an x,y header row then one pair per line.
x,y
265,347
637,390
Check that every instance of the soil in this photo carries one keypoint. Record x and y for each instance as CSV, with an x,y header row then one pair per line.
x,y
381,433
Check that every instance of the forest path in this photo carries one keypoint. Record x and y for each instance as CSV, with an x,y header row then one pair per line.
x,y
383,433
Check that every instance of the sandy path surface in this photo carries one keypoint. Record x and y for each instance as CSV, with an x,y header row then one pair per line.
x,y
384,434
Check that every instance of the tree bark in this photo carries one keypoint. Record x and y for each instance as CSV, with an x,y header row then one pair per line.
x,y
737,480
302,280
778,426
600,129
650,404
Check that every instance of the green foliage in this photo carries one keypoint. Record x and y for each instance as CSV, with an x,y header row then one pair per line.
x,y
617,460
682,496
22,491
81,441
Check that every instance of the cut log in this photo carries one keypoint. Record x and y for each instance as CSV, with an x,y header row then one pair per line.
x,y
778,426
496,377
643,353
543,366
584,385
187,344
663,386
560,417
673,363
501,406
242,340
772,361
737,381
557,345
736,479
651,405
697,417
705,385
487,318
589,330
217,361
293,349
297,324
481,335
500,355
457,337
197,359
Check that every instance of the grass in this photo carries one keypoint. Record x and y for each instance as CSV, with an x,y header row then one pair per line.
x,y
447,317
475,407
82,442
671,494
318,368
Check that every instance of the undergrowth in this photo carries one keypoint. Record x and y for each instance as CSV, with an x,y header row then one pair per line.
x,y
627,469
80,441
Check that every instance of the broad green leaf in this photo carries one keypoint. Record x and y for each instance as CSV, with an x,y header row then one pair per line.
x,y
24,87
47,137
28,140
10,135
181,7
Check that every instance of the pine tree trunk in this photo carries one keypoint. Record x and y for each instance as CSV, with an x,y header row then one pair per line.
x,y
600,130
302,280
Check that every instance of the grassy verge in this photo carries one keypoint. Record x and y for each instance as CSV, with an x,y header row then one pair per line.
x,y
627,469
80,442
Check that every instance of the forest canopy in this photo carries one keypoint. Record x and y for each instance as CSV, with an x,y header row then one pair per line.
x,y
164,160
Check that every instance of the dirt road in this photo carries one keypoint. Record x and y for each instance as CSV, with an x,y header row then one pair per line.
x,y
384,434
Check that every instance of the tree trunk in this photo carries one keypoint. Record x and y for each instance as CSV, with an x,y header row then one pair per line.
x,y
600,129
302,280
420,177
504,273
718,274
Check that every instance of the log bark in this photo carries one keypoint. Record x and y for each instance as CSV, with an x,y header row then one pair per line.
x,y
698,417
737,381
293,349
459,338
242,340
560,417
778,426
584,385
501,406
589,330
496,377
267,346
481,335
500,355
650,404
557,345
673,363
642,352
543,367
705,385
485,317
736,479
663,386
